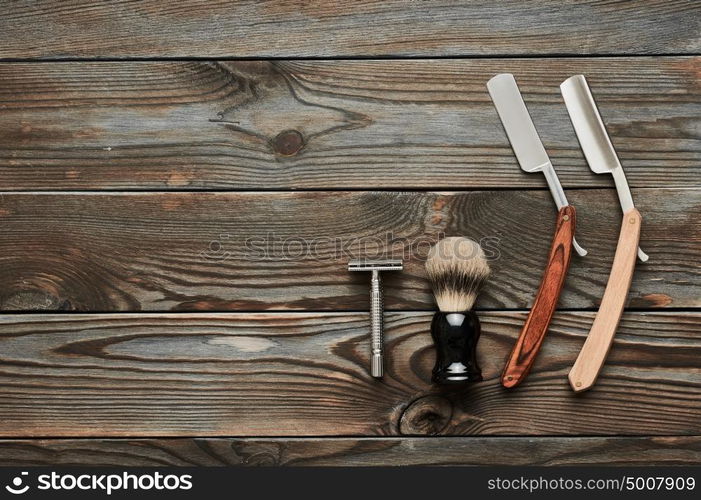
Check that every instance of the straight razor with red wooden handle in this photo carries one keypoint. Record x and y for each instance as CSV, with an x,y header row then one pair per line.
x,y
532,157
602,159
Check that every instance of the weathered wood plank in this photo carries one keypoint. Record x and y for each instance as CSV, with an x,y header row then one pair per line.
x,y
303,374
199,28
256,251
361,124
353,452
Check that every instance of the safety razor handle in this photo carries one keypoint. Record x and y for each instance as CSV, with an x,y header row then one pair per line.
x,y
455,336
591,358
530,339
376,326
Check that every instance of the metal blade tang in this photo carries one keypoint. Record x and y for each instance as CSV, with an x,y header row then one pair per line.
x,y
594,140
524,138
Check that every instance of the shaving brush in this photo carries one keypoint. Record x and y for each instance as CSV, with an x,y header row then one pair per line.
x,y
457,269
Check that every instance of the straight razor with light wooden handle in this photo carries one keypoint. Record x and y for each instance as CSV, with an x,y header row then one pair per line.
x,y
532,157
602,158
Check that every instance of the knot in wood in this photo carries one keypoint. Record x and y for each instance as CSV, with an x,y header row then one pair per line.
x,y
257,454
426,416
288,143
36,299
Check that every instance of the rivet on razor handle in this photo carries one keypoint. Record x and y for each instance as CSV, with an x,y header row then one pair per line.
x,y
376,311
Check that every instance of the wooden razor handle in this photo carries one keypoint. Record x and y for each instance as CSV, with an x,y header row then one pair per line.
x,y
592,356
529,341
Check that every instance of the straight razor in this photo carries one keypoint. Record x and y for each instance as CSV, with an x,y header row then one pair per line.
x,y
532,157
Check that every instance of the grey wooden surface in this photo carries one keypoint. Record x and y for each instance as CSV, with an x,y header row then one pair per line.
x,y
305,374
361,124
289,251
357,452
142,144
201,28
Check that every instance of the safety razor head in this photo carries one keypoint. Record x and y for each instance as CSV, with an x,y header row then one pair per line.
x,y
375,265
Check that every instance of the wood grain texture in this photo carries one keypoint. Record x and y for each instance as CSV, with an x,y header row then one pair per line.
x,y
422,124
593,354
304,374
201,28
286,122
534,329
280,251
353,452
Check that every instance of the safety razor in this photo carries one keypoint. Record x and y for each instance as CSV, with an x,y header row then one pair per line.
x,y
376,306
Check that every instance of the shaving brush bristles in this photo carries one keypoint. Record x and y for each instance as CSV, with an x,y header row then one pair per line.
x,y
457,269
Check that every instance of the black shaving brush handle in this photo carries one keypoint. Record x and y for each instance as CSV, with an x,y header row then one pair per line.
x,y
455,336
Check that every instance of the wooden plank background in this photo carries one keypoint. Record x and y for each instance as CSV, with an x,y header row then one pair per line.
x,y
392,124
280,251
162,166
358,452
203,28
305,374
